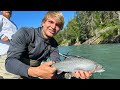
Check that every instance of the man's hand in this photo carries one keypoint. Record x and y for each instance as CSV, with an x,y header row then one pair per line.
x,y
82,74
44,71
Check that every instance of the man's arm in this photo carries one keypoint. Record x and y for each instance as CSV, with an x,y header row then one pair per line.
x,y
1,24
16,49
5,35
44,71
1,21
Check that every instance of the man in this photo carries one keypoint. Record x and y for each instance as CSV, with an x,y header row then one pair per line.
x,y
29,47
7,29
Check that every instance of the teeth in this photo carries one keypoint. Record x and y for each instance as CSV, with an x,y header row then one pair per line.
x,y
51,32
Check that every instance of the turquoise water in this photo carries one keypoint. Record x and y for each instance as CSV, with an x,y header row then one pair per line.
x,y
108,55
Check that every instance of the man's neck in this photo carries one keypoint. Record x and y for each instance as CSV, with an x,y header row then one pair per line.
x,y
44,36
7,17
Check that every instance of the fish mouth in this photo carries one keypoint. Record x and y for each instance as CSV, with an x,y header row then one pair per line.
x,y
101,70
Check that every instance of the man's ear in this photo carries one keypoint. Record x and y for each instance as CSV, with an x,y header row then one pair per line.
x,y
42,24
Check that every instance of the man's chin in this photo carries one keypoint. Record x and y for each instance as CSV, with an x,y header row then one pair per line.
x,y
50,35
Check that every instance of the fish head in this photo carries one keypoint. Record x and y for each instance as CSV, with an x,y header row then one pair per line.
x,y
99,68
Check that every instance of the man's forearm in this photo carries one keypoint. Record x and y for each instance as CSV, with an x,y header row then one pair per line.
x,y
16,67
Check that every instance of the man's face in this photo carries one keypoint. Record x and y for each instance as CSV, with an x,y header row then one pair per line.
x,y
50,27
7,14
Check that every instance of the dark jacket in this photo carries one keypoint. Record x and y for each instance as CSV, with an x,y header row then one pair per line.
x,y
26,45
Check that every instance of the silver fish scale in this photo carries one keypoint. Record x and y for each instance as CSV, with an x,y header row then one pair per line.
x,y
70,64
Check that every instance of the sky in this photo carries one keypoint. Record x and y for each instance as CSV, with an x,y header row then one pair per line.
x,y
34,18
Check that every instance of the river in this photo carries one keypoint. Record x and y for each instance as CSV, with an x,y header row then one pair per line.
x,y
108,55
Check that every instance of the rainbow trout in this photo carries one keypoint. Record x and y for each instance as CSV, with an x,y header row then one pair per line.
x,y
74,63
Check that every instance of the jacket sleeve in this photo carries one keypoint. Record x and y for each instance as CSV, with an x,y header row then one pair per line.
x,y
1,23
16,49
54,51
54,54
7,28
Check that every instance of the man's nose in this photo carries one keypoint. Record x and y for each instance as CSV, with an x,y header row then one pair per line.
x,y
54,26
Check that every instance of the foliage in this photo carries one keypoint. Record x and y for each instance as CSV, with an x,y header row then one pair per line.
x,y
88,24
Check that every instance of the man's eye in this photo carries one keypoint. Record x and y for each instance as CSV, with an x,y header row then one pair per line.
x,y
51,21
58,25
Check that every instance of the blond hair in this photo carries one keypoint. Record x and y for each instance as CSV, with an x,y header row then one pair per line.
x,y
57,15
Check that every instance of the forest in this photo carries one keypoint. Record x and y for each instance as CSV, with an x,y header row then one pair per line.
x,y
91,27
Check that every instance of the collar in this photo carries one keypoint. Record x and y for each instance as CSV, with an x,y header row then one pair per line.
x,y
41,35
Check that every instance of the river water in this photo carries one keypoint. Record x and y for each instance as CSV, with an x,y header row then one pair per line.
x,y
108,55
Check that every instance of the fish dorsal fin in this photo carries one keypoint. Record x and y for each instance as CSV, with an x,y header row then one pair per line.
x,y
67,56
64,55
